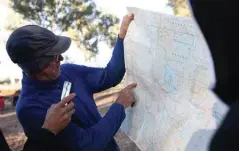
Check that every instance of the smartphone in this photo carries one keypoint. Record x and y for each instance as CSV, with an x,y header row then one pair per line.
x,y
66,90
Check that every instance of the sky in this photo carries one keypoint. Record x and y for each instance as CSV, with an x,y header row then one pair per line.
x,y
117,7
7,68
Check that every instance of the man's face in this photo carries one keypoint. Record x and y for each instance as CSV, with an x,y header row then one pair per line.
x,y
52,71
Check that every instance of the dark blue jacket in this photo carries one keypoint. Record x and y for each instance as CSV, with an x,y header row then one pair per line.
x,y
87,131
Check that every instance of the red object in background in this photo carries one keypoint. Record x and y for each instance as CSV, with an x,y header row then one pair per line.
x,y
2,103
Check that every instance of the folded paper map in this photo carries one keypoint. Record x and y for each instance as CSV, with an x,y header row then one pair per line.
x,y
168,58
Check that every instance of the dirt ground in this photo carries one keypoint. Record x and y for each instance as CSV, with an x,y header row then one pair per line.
x,y
16,138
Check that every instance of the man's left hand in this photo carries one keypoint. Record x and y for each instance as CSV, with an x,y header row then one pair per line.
x,y
125,24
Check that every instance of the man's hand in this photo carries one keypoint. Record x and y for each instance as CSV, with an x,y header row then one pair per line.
x,y
126,97
58,115
125,25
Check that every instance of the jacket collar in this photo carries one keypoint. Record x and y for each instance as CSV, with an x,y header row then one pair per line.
x,y
34,83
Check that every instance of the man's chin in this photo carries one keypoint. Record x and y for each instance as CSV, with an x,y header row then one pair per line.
x,y
56,76
59,73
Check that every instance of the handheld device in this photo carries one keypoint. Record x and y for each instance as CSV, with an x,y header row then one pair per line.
x,y
66,90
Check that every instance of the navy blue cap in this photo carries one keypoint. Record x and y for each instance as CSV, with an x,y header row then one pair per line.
x,y
35,45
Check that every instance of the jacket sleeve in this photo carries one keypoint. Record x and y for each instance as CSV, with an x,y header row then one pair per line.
x,y
45,141
3,143
99,79
98,136
74,137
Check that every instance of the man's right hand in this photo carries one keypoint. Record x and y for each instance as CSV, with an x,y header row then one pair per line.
x,y
59,115
126,97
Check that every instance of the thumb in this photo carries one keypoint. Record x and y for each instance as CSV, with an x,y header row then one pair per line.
x,y
66,99
131,15
131,86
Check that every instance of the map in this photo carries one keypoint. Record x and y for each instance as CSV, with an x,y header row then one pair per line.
x,y
169,60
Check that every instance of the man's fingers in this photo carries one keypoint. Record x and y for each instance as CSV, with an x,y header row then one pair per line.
x,y
72,112
131,86
67,116
69,107
67,99
53,105
131,16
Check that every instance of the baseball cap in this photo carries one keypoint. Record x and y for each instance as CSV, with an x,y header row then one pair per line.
x,y
32,46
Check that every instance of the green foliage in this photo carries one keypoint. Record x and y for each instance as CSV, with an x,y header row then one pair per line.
x,y
82,21
180,7
14,21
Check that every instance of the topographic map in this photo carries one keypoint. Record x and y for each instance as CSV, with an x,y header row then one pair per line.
x,y
169,60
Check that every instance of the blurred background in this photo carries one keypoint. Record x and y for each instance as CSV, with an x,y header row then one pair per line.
x,y
93,26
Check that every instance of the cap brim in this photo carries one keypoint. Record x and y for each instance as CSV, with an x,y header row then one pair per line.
x,y
61,46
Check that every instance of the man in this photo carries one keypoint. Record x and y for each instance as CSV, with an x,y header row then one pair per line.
x,y
15,97
57,118
2,102
218,23
38,52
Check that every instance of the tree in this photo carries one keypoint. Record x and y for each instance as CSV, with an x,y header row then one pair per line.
x,y
13,20
80,19
180,7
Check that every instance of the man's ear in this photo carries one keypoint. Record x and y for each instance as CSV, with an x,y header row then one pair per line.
x,y
61,58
